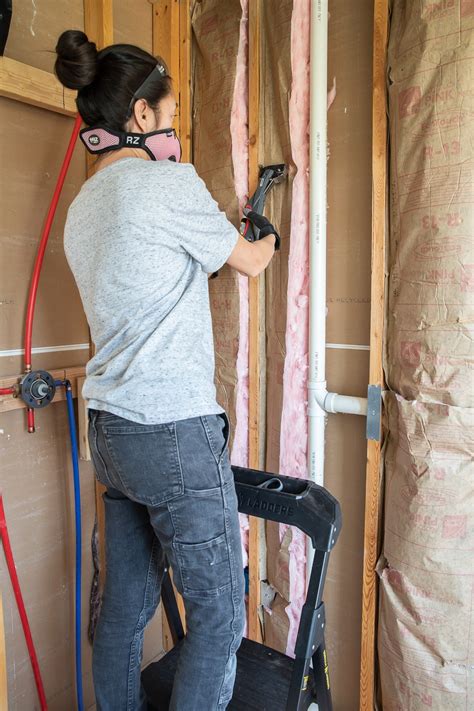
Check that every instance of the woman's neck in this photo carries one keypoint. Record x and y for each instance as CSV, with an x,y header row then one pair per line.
x,y
112,156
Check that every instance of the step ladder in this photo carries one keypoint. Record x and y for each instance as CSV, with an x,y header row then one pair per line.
x,y
268,680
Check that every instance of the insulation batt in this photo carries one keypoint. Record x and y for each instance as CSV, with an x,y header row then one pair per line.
x,y
426,622
240,159
294,426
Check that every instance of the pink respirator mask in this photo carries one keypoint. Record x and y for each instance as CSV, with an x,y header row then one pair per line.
x,y
160,145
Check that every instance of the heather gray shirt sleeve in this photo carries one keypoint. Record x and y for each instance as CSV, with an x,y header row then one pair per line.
x,y
201,228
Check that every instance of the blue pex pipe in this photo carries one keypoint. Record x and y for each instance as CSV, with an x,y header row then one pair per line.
x,y
78,527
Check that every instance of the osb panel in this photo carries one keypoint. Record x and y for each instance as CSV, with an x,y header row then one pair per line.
x,y
133,23
31,164
215,43
36,26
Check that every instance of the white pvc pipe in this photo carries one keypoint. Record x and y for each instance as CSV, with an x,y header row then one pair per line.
x,y
346,404
320,401
317,245
317,236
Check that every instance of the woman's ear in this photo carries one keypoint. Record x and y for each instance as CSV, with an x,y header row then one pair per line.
x,y
142,117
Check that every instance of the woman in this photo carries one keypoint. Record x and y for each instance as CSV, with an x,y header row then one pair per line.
x,y
141,238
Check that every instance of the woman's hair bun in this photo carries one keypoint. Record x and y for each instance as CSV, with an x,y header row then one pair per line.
x,y
76,63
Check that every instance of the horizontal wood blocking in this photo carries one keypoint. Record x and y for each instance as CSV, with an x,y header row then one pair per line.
x,y
36,87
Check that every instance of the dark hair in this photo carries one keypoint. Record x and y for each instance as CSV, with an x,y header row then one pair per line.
x,y
107,80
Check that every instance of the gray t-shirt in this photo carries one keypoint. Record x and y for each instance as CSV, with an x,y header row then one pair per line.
x,y
140,238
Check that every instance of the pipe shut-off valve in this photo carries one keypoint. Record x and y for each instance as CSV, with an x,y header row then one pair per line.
x,y
37,389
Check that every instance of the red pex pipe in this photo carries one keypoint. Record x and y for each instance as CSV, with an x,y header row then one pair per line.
x,y
30,419
21,606
30,308
7,391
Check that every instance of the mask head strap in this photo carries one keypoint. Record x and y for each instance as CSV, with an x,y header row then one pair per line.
x,y
138,93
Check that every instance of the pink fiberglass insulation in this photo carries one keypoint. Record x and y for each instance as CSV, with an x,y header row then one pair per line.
x,y
240,158
331,93
294,424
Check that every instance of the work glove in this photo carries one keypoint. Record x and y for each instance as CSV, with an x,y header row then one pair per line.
x,y
254,227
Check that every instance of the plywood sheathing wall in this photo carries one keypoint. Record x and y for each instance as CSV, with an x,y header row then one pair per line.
x,y
215,28
36,472
349,216
426,646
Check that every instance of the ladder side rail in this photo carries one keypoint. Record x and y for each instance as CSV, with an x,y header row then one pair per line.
x,y
310,638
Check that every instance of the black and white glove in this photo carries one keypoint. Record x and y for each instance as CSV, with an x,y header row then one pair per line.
x,y
254,227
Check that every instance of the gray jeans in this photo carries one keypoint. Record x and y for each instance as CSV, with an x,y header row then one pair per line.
x,y
170,490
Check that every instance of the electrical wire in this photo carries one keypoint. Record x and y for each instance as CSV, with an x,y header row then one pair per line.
x,y
21,606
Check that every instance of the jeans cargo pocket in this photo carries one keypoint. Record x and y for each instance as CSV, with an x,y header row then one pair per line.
x,y
146,461
204,567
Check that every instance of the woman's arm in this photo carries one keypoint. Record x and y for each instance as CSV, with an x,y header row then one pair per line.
x,y
251,258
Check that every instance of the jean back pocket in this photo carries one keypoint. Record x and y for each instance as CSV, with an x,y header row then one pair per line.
x,y
145,459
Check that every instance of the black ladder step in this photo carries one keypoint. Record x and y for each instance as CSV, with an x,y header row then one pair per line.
x,y
261,684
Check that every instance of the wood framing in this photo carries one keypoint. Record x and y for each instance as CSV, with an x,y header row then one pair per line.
x,y
36,87
172,42
82,423
184,99
166,35
98,22
256,331
374,448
